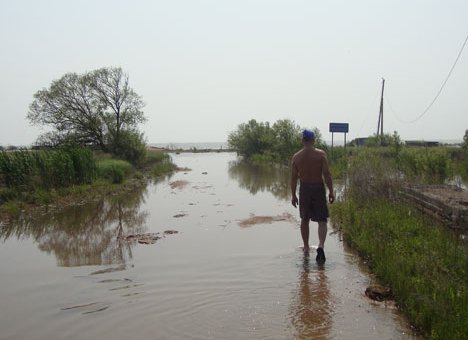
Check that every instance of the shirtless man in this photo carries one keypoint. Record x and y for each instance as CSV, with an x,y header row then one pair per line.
x,y
310,165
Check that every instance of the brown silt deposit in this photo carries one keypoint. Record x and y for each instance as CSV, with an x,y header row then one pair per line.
x,y
180,184
252,220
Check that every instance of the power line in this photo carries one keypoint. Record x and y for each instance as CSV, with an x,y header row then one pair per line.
x,y
387,101
371,105
440,90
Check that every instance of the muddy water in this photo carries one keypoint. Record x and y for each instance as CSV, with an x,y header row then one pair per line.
x,y
71,274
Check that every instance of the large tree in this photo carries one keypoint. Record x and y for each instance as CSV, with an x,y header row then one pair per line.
x,y
91,108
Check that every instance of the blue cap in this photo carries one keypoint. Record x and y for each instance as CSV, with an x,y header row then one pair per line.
x,y
308,135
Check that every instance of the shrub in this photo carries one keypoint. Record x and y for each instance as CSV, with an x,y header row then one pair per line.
x,y
385,140
429,165
252,138
130,146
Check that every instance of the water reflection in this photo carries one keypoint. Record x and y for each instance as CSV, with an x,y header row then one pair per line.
x,y
254,178
310,311
86,234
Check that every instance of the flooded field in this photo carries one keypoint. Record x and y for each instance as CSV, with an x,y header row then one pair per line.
x,y
209,253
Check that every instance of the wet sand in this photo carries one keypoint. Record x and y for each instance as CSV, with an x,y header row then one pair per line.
x,y
73,274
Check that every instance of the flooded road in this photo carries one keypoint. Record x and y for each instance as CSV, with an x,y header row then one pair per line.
x,y
73,274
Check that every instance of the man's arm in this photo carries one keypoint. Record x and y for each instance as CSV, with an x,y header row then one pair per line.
x,y
294,177
328,180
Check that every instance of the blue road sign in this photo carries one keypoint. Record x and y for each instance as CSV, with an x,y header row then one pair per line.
x,y
339,127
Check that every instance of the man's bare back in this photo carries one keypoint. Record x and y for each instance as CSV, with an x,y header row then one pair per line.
x,y
309,164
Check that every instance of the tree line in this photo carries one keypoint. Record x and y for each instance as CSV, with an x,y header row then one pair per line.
x,y
260,141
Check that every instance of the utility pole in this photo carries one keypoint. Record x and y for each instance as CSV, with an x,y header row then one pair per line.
x,y
380,122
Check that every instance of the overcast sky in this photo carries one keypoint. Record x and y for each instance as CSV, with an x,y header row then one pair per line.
x,y
203,67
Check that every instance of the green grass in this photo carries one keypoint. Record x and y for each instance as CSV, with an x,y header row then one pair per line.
x,y
155,156
460,168
159,163
426,266
114,170
11,208
27,171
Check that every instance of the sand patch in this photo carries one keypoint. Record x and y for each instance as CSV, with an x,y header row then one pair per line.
x,y
179,184
184,169
253,220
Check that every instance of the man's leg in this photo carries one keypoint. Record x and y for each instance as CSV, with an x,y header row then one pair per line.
x,y
305,233
322,233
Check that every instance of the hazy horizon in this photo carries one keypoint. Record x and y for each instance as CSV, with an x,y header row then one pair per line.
x,y
204,67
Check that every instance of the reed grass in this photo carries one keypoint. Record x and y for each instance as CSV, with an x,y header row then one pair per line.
x,y
26,171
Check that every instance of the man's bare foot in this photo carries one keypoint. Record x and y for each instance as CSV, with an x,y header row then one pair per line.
x,y
306,249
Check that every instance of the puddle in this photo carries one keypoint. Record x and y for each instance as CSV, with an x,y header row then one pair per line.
x,y
227,274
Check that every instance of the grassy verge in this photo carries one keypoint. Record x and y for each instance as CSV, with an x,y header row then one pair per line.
x,y
111,176
425,265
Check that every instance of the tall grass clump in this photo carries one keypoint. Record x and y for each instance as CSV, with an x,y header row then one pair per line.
x,y
113,170
26,171
16,169
459,162
371,176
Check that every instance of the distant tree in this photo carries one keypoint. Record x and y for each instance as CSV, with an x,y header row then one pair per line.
x,y
385,140
465,140
278,142
122,106
319,142
252,138
90,109
287,138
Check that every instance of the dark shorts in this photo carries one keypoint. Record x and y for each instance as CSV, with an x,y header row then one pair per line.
x,y
313,202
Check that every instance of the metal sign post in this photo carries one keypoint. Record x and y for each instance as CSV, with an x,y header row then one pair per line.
x,y
339,127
